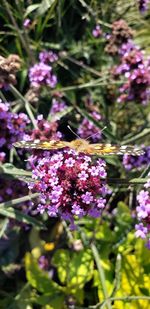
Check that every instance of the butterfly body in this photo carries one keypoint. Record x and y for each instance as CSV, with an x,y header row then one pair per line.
x,y
81,145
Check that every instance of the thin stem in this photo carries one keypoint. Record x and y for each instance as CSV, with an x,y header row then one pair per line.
x,y
125,181
93,83
19,200
125,299
2,96
101,274
17,94
134,138
84,66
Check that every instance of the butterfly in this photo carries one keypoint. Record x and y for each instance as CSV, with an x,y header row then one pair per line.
x,y
81,145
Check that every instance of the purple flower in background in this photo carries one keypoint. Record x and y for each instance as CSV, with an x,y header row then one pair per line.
x,y
76,192
27,23
48,56
46,130
136,72
130,162
88,129
57,106
97,31
143,5
143,214
41,74
12,126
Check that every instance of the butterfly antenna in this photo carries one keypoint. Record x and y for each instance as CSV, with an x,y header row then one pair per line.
x,y
96,133
73,132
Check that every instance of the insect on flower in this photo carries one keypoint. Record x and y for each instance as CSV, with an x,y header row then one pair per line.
x,y
81,146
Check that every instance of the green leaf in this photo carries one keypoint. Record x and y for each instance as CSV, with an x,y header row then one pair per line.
x,y
44,6
31,8
78,269
19,216
61,260
123,216
38,278
54,301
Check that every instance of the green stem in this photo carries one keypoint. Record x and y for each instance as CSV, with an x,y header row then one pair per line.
x,y
94,83
125,181
136,137
17,94
19,200
101,274
125,299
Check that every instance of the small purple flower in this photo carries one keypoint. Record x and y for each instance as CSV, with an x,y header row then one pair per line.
x,y
143,215
83,175
27,23
69,162
87,198
88,129
57,106
97,31
143,5
48,56
41,74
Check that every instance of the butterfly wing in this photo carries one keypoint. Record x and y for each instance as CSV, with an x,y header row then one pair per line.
x,y
43,145
108,149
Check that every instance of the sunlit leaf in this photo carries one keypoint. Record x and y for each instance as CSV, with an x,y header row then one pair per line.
x,y
38,278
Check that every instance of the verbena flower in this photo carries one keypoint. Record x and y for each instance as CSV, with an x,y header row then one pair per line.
x,y
138,162
136,72
143,214
87,128
41,74
58,105
69,184
27,23
143,5
46,130
121,33
97,31
12,126
48,56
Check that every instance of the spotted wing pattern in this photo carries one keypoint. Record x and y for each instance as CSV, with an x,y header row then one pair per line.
x,y
108,149
45,145
91,149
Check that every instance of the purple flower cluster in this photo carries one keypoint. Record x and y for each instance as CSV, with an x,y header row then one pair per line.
x,y
136,71
12,126
143,214
138,162
46,130
69,184
57,106
143,5
121,34
97,31
88,129
41,74
48,56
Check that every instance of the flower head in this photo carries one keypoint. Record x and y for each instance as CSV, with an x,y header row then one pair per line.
x,y
42,74
66,188
12,126
143,214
